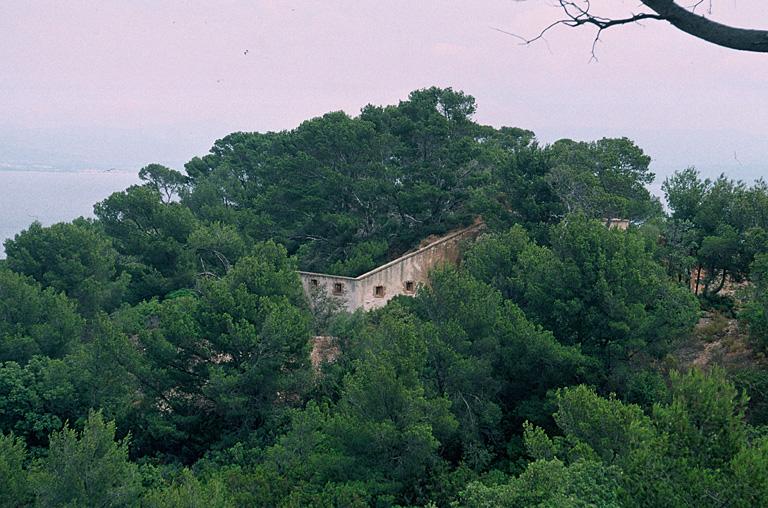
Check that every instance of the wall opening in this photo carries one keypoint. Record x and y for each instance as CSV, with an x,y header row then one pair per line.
x,y
338,288
378,291
314,282
410,287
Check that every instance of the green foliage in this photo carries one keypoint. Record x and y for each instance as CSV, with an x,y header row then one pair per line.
x,y
363,258
151,236
187,491
754,381
685,192
755,311
168,182
346,194
537,186
215,248
87,468
550,483
693,450
337,189
608,427
749,468
177,314
34,320
491,362
324,307
73,258
705,418
677,250
384,432
99,375
13,477
594,286
602,179
493,258
212,366
726,222
37,398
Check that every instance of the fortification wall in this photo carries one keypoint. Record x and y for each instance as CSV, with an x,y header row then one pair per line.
x,y
401,276
347,294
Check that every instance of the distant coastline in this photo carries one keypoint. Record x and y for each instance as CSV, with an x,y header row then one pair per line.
x,y
42,168
53,195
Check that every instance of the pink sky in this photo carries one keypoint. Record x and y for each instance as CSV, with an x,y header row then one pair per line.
x,y
125,83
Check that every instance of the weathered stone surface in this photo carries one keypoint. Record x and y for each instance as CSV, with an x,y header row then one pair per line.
x,y
613,223
401,276
324,350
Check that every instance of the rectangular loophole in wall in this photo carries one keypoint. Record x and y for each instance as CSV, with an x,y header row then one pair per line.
x,y
314,282
410,287
338,288
378,291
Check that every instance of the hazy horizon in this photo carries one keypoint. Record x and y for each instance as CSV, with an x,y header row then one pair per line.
x,y
118,85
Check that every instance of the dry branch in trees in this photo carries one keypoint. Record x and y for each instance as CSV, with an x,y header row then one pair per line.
x,y
579,13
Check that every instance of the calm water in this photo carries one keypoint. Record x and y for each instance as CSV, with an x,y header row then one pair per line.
x,y
50,197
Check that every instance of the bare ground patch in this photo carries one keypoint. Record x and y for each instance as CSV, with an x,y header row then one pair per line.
x,y
717,340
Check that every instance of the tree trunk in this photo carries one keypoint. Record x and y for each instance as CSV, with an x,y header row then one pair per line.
x,y
722,282
742,39
698,278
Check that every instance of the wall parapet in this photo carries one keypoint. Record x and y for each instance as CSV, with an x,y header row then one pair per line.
x,y
401,276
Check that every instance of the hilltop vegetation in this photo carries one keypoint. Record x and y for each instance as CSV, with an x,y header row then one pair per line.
x,y
159,355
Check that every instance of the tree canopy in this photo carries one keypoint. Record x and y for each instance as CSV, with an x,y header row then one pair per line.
x,y
159,354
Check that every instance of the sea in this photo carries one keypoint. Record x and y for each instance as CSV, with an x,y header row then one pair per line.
x,y
53,196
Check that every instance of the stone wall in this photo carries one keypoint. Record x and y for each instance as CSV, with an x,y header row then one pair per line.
x,y
401,276
622,224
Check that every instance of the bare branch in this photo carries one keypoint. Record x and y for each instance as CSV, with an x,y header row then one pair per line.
x,y
742,39
578,13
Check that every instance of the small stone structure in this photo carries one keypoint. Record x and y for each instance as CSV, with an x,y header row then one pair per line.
x,y
621,224
324,350
401,276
